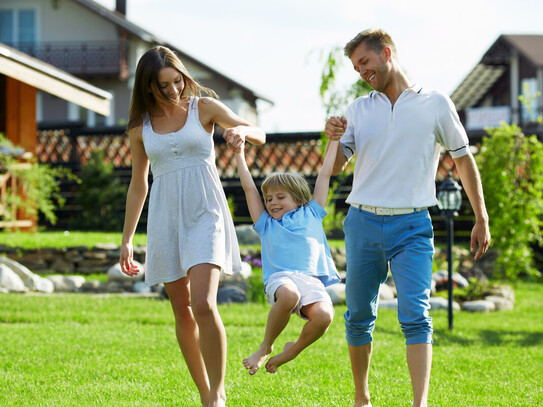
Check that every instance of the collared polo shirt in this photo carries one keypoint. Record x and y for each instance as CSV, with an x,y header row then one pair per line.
x,y
397,147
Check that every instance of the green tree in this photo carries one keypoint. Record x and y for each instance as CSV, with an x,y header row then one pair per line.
x,y
40,182
100,196
511,167
335,100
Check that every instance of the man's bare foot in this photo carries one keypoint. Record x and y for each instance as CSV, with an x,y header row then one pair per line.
x,y
281,358
254,361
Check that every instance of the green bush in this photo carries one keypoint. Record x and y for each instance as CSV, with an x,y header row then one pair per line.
x,y
511,166
40,182
100,196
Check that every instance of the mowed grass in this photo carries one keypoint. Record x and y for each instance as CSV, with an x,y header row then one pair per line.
x,y
88,350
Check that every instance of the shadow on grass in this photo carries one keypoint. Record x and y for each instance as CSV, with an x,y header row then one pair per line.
x,y
492,338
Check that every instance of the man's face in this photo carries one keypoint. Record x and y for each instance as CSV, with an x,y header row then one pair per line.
x,y
372,67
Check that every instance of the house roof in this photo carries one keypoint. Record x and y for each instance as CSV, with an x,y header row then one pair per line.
x,y
32,71
493,64
121,21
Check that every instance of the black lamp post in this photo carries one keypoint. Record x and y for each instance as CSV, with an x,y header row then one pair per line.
x,y
449,200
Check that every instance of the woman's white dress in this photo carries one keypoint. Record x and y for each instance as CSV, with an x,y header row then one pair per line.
x,y
188,221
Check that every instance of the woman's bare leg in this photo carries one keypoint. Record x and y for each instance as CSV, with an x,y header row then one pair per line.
x,y
204,283
187,334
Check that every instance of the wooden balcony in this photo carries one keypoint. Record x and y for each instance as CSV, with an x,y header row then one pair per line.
x,y
83,59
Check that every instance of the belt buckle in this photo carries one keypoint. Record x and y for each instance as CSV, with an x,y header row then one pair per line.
x,y
383,211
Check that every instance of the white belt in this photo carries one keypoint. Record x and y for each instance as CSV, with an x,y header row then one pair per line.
x,y
377,210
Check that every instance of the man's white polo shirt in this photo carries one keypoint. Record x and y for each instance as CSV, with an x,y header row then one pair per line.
x,y
397,147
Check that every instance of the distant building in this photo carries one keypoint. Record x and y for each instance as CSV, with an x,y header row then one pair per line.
x,y
511,67
101,47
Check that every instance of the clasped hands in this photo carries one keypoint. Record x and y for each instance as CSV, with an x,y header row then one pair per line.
x,y
235,138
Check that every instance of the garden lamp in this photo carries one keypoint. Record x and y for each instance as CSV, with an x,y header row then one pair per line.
x,y
449,201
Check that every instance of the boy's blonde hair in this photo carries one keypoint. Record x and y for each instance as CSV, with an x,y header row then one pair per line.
x,y
291,182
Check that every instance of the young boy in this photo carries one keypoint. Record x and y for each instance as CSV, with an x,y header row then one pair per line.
x,y
296,259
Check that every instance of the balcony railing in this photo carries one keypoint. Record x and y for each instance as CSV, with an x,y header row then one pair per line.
x,y
82,59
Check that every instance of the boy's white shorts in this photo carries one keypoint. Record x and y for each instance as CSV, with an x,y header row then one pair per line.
x,y
311,289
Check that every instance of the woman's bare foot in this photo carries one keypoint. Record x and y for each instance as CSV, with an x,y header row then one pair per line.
x,y
281,358
254,361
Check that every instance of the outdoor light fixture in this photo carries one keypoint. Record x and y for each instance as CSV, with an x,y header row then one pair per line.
x,y
449,198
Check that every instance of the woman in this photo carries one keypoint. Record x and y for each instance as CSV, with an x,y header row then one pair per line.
x,y
190,232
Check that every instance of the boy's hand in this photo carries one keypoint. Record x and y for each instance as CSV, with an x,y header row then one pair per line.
x,y
235,138
335,127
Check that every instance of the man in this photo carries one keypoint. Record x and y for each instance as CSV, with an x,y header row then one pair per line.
x,y
396,132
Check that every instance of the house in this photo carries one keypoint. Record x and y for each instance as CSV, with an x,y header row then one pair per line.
x,y
511,67
102,47
21,77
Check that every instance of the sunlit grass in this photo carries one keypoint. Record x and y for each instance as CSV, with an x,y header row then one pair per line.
x,y
88,350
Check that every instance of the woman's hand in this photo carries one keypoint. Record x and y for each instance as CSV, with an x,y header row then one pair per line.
x,y
126,260
235,138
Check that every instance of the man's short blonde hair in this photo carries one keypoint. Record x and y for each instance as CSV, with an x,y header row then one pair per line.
x,y
291,182
374,38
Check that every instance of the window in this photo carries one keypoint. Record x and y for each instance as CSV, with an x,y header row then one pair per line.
x,y
529,101
18,27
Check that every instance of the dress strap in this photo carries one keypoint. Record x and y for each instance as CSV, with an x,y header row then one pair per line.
x,y
193,104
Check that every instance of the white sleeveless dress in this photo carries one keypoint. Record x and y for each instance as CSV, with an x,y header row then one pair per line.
x,y
189,221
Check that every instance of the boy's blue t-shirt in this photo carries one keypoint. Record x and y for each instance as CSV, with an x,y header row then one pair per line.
x,y
296,242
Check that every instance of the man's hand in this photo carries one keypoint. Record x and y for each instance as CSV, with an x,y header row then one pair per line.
x,y
335,127
480,236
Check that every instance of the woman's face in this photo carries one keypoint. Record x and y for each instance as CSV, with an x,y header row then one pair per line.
x,y
171,82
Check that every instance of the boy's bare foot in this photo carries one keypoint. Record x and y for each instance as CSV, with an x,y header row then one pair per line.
x,y
254,361
281,358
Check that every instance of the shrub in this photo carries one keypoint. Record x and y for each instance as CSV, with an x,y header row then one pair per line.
x,y
100,196
511,166
40,182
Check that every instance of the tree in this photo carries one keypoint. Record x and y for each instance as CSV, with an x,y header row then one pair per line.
x,y
40,182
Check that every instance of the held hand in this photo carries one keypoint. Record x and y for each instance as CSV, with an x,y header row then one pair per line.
x,y
335,127
125,260
480,236
235,138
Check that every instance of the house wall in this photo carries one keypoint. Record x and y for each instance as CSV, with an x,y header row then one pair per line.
x,y
72,22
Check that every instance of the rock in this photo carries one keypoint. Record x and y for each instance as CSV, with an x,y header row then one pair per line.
x,y
114,273
246,269
29,279
247,235
141,287
389,304
10,280
478,306
231,294
500,303
504,291
459,280
66,283
386,292
336,293
442,303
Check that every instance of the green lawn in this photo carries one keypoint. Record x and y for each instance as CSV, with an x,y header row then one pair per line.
x,y
83,350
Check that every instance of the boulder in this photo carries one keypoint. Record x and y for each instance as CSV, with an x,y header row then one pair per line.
x,y
231,294
336,293
67,284
478,306
500,303
114,273
30,280
442,303
247,235
10,281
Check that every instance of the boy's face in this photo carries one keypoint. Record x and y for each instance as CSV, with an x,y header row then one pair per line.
x,y
279,202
